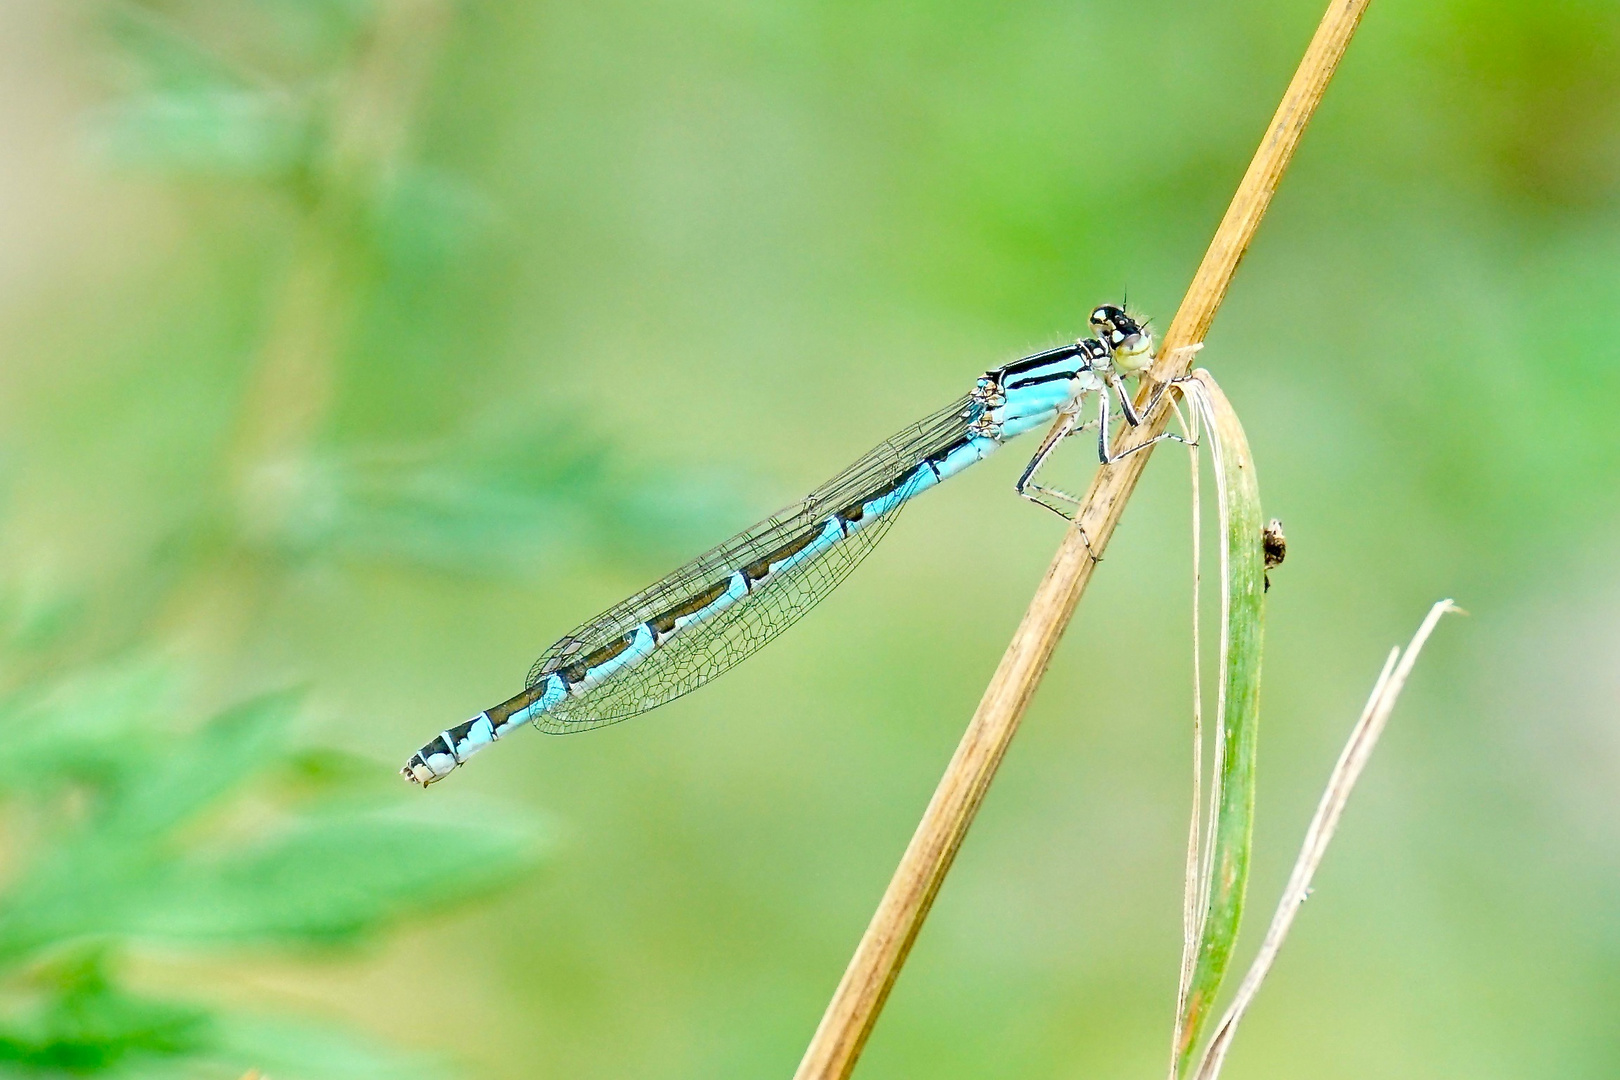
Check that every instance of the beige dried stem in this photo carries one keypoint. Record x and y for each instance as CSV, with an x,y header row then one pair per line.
x,y
855,1005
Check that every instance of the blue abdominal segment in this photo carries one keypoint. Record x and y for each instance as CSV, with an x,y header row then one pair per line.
x,y
552,691
970,452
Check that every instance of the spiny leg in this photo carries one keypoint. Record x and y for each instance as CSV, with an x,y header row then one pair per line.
x,y
1028,488
1038,493
1135,419
1129,450
1034,492
1125,404
1103,405
1128,406
1186,352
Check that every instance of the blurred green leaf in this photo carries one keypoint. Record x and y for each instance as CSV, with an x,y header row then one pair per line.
x,y
188,775
311,1051
313,32
424,217
31,621
208,131
83,728
143,834
508,503
332,878
165,54
85,1024
79,1021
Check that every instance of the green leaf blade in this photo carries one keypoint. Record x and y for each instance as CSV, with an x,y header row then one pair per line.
x,y
284,890
1242,634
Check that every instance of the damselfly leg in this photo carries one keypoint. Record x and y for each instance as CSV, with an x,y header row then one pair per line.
x,y
1039,493
1110,385
1113,383
1128,407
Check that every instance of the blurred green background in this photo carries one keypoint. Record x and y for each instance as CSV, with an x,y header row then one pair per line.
x,y
366,347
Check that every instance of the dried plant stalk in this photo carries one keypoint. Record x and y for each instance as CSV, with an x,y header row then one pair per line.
x,y
855,1005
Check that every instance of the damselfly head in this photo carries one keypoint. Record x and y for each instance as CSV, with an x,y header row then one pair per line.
x,y
1123,335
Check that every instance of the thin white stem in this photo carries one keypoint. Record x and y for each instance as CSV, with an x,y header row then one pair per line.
x,y
1201,404
1363,738
1192,890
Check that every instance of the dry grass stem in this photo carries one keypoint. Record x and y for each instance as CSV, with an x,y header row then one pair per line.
x,y
1363,738
871,973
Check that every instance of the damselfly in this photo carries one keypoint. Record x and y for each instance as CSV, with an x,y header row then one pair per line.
x,y
713,612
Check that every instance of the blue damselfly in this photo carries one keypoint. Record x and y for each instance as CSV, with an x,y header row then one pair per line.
x,y
713,612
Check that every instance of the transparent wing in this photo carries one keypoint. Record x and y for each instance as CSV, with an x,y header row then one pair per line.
x,y
701,652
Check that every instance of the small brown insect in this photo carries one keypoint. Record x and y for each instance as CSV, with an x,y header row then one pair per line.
x,y
1274,545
